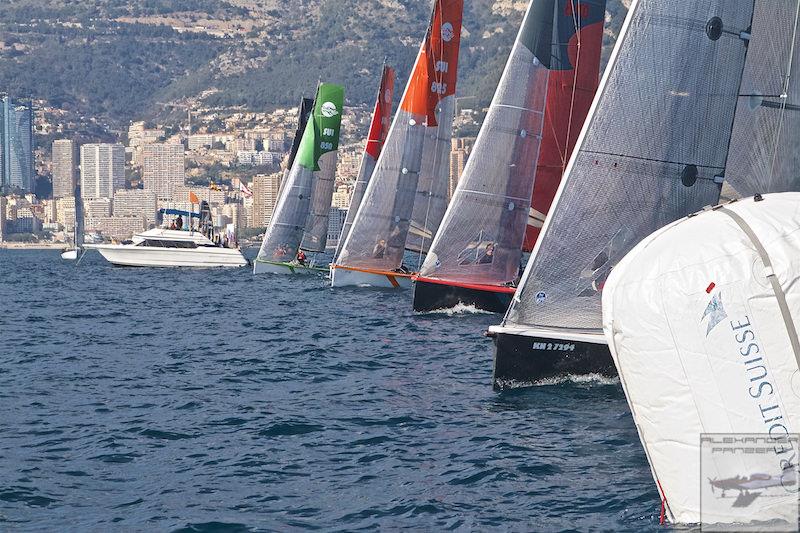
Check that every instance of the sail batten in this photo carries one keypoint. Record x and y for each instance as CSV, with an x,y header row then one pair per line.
x,y
668,99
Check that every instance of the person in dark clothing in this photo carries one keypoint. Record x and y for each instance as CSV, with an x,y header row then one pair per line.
x,y
179,222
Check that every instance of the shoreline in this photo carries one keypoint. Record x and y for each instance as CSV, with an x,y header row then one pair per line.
x,y
32,246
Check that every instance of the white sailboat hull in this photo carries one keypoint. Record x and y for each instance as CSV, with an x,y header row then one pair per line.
x,y
345,277
143,256
69,255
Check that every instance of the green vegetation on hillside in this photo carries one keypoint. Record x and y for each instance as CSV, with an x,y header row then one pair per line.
x,y
78,54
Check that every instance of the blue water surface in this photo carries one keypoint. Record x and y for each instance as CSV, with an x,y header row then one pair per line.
x,y
213,400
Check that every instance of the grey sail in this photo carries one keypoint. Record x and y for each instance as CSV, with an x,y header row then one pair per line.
x,y
316,154
315,237
303,112
430,203
491,203
653,150
380,230
285,231
765,146
379,129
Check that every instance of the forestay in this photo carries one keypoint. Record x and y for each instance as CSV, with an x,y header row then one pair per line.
x,y
378,130
481,237
319,142
380,229
653,150
765,147
702,320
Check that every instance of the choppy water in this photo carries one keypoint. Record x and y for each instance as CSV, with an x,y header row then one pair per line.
x,y
164,400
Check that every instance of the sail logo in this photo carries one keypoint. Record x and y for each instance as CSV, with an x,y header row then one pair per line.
x,y
715,312
447,32
329,110
582,10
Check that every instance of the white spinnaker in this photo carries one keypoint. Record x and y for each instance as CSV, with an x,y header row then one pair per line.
x,y
651,151
701,346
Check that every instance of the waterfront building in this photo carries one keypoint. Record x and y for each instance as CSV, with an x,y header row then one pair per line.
x,y
342,197
115,227
65,165
265,197
336,220
97,207
136,203
163,167
459,153
65,212
102,170
16,145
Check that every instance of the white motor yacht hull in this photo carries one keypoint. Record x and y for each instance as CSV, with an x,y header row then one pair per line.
x,y
142,256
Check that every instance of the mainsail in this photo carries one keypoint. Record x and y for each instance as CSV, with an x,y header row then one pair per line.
x,y
303,113
380,229
378,130
653,150
570,49
318,145
481,236
765,146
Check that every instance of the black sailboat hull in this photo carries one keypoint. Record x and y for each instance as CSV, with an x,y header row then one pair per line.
x,y
521,360
435,296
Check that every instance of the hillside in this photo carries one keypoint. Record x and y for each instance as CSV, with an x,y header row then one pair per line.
x,y
120,59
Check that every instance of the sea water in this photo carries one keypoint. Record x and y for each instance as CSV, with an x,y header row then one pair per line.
x,y
213,400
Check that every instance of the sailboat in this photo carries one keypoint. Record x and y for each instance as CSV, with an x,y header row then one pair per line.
x,y
72,253
701,317
300,220
537,112
405,200
652,150
378,130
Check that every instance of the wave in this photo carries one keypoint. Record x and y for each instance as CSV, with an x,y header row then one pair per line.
x,y
585,379
458,309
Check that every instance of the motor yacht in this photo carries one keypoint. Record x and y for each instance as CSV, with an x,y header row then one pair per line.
x,y
170,248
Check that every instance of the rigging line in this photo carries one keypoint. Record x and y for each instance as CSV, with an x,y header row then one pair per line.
x,y
577,28
784,97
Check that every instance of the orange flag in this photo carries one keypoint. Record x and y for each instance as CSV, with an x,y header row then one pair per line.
x,y
193,198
